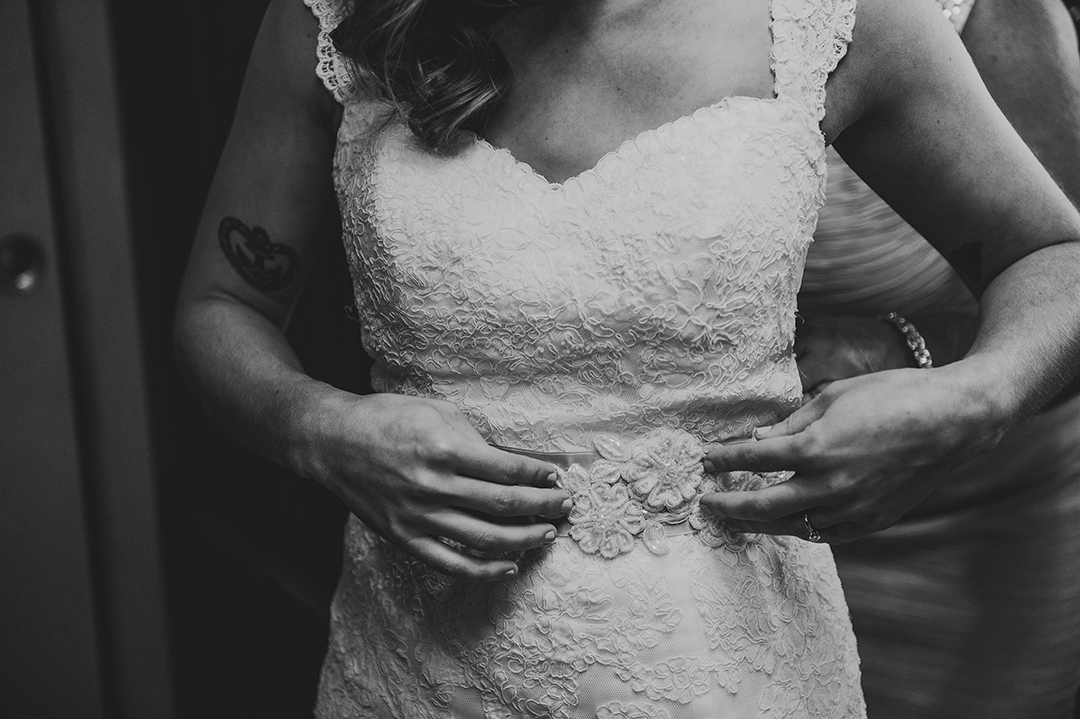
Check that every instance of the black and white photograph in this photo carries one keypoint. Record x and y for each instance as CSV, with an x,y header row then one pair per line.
x,y
540,359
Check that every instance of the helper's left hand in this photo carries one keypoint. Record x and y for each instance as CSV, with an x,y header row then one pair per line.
x,y
864,451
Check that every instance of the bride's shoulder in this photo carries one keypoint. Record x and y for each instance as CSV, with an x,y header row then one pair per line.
x,y
897,47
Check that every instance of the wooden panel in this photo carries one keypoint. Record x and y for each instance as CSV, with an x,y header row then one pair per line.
x,y
97,247
49,663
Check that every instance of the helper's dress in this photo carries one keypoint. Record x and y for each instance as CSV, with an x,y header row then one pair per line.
x,y
629,313
969,607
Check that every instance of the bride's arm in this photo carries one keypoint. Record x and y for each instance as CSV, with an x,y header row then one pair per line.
x,y
920,127
412,469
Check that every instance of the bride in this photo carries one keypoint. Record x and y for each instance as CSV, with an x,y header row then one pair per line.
x,y
563,320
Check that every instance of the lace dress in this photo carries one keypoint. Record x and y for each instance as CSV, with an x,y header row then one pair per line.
x,y
968,607
625,315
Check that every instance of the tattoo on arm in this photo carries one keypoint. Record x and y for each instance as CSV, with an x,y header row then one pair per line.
x,y
265,265
968,260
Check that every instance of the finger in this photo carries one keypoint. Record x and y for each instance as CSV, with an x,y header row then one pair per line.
x,y
486,536
771,455
450,561
812,393
482,461
770,504
793,424
794,525
498,500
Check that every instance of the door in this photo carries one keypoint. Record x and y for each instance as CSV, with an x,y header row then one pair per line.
x,y
82,620
49,651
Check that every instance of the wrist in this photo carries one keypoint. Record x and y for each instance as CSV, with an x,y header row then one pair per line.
x,y
991,401
316,418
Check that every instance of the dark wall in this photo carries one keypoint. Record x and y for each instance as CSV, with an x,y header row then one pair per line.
x,y
252,553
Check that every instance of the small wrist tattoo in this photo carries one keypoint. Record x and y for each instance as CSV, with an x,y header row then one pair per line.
x,y
265,265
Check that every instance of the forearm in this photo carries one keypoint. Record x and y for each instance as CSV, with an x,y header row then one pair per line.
x,y
1028,341
249,379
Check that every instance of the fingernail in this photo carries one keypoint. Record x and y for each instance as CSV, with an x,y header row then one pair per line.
x,y
552,478
512,572
710,468
760,432
566,506
549,537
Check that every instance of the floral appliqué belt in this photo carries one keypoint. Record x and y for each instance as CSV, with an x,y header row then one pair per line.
x,y
647,490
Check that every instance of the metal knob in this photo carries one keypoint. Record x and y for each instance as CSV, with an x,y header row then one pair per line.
x,y
22,262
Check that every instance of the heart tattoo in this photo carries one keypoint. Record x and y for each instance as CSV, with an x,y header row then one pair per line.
x,y
265,265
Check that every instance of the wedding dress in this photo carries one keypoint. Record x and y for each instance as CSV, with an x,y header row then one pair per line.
x,y
625,315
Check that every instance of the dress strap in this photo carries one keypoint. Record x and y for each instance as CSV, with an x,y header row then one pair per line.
x,y
809,39
332,67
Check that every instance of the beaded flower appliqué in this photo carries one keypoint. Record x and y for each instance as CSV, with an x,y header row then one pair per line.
x,y
645,489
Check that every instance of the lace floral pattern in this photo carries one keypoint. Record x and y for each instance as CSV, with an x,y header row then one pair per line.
x,y
638,308
643,489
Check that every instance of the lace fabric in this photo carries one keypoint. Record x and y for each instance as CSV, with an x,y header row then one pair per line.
x,y
332,68
654,292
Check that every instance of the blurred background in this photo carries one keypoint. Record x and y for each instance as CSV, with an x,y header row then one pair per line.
x,y
149,566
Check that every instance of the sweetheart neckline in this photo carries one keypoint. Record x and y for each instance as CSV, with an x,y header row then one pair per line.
x,y
620,151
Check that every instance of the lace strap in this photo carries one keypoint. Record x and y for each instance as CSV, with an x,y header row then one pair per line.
x,y
332,68
809,39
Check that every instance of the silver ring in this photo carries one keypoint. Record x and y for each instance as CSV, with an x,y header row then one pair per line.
x,y
812,534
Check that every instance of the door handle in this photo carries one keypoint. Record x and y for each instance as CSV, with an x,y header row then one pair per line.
x,y
22,262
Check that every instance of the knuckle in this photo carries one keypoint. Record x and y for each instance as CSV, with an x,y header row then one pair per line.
x,y
439,450
505,502
515,471
805,446
841,489
430,485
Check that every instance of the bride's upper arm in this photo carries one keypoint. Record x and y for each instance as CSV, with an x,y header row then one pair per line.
x,y
914,119
271,204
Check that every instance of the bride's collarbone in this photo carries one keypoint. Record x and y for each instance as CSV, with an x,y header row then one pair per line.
x,y
566,110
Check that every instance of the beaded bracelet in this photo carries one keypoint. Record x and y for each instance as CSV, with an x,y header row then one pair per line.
x,y
914,340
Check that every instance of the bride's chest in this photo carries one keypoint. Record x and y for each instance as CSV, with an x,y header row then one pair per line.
x,y
718,202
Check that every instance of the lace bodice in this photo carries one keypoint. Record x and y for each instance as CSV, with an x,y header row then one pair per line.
x,y
655,289
653,293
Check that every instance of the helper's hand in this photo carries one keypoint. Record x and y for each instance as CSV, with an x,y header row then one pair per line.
x,y
415,471
830,348
864,452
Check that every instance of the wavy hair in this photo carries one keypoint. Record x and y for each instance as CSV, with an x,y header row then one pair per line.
x,y
434,61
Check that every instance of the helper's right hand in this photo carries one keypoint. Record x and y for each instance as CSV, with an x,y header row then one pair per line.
x,y
415,471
